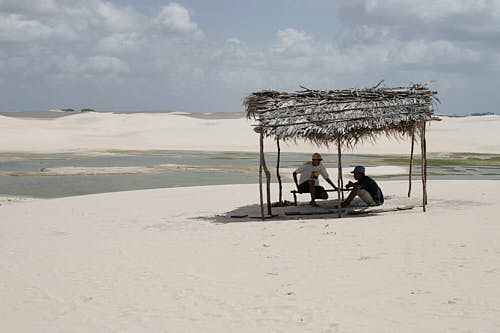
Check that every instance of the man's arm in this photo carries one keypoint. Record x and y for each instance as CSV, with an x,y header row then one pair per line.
x,y
355,189
351,184
331,183
325,175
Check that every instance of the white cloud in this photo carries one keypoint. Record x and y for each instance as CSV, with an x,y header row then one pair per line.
x,y
28,6
289,37
434,53
59,19
95,65
117,18
100,64
453,18
13,27
233,40
293,41
431,10
120,43
177,18
44,40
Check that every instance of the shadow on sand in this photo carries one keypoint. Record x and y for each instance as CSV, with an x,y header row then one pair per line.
x,y
327,210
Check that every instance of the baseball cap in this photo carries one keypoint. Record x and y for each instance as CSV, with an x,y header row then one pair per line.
x,y
316,156
359,169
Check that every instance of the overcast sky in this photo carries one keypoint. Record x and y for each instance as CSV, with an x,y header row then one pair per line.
x,y
206,56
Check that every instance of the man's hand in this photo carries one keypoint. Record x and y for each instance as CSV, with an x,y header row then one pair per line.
x,y
331,183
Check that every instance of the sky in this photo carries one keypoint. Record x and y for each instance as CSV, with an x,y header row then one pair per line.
x,y
206,56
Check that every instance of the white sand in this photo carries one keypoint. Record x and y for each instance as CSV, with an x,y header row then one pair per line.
x,y
93,132
162,261
154,261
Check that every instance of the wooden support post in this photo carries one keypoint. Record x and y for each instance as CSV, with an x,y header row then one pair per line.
x,y
341,181
422,149
339,186
268,175
278,172
411,162
260,176
425,165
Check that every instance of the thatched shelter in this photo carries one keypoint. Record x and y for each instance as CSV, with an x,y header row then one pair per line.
x,y
342,118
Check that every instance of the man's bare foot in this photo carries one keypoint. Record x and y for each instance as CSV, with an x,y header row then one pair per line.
x,y
314,204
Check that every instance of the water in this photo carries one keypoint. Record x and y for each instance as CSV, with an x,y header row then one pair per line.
x,y
61,175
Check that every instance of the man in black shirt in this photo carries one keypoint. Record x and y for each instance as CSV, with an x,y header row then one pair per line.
x,y
365,187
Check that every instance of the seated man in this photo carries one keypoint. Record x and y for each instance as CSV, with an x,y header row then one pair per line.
x,y
365,187
309,182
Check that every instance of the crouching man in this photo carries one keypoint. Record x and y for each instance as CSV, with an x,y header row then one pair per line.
x,y
309,182
365,188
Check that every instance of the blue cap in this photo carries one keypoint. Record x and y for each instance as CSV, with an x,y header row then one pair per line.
x,y
359,169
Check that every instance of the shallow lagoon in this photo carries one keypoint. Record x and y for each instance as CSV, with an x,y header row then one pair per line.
x,y
60,175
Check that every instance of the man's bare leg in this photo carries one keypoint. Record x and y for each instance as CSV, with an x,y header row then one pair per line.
x,y
313,203
351,196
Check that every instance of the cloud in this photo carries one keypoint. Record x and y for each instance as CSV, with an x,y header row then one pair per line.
x,y
292,39
43,7
233,40
120,43
13,27
176,18
95,65
22,20
99,64
166,57
438,19
435,52
429,11
116,18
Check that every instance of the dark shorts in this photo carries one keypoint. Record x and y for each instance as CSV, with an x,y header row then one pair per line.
x,y
318,190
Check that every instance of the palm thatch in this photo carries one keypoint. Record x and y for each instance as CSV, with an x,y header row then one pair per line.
x,y
346,116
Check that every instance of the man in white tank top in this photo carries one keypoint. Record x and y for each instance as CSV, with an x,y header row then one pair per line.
x,y
309,182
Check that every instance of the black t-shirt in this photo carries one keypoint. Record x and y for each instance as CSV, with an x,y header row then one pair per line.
x,y
371,186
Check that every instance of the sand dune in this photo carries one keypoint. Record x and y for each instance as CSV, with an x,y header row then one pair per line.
x,y
91,132
175,260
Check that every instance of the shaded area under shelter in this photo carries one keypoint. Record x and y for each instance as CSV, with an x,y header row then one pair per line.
x,y
341,118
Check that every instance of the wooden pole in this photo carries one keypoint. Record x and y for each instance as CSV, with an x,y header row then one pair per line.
x,y
339,186
260,175
411,162
422,149
278,172
425,165
341,181
268,178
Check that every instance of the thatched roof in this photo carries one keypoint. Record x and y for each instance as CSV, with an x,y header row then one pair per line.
x,y
351,115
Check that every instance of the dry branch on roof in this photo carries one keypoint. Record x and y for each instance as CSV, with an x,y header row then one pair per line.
x,y
352,115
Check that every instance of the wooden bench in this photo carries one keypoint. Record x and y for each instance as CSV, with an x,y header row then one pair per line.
x,y
295,192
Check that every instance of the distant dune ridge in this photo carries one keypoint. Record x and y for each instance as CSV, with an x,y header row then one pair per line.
x,y
101,131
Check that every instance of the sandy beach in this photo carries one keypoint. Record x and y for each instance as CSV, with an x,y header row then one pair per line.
x,y
171,260
174,260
